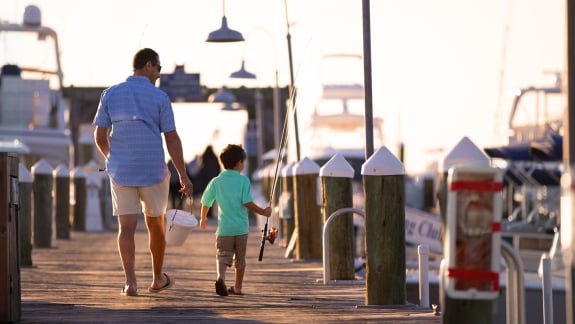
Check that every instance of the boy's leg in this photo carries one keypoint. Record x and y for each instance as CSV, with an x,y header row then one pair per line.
x,y
223,260
239,280
221,288
221,270
240,262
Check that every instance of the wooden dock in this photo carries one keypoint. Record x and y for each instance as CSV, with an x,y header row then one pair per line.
x,y
79,280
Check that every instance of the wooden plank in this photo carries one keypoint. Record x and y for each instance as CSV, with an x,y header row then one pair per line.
x,y
79,280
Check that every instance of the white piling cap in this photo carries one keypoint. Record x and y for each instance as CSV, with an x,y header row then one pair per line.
x,y
306,166
78,172
61,171
23,174
13,146
271,169
92,166
42,167
287,171
465,153
338,167
382,162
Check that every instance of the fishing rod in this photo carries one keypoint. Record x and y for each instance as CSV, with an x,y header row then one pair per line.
x,y
272,233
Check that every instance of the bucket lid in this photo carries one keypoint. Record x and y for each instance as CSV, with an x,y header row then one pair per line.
x,y
182,217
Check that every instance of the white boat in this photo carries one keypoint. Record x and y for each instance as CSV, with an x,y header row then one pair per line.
x,y
337,124
33,111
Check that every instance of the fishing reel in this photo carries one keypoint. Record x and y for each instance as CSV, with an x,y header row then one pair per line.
x,y
271,235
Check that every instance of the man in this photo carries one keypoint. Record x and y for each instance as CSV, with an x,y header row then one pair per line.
x,y
129,122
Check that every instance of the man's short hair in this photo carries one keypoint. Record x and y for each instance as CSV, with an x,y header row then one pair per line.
x,y
144,56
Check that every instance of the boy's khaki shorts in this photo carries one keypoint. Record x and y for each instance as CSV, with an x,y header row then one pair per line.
x,y
232,250
151,200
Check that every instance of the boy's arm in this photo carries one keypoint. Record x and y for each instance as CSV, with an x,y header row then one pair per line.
x,y
258,210
204,215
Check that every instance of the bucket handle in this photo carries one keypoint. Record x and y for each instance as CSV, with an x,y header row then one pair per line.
x,y
174,216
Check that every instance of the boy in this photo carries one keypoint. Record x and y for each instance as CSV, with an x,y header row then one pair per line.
x,y
232,191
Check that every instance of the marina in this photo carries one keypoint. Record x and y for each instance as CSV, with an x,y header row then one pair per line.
x,y
77,277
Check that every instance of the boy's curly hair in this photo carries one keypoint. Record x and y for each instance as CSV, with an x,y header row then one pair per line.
x,y
231,155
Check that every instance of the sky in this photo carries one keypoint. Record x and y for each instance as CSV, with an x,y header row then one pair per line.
x,y
441,69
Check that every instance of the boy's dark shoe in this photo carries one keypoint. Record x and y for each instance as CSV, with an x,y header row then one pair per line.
x,y
221,287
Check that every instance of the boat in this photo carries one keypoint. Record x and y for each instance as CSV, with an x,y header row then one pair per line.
x,y
532,163
33,111
337,123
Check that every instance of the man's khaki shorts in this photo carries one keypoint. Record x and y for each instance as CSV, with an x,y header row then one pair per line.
x,y
151,200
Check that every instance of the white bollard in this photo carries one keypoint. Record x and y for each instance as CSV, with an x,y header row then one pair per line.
x,y
423,253
93,210
546,288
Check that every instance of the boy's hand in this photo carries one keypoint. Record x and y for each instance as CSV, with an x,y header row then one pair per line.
x,y
203,223
267,211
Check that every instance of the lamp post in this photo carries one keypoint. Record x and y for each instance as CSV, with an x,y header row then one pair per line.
x,y
292,93
224,31
242,73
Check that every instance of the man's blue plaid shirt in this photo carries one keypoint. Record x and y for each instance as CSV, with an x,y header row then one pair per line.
x,y
138,113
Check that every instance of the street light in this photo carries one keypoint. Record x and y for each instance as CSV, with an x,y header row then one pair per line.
x,y
225,37
225,97
242,73
224,34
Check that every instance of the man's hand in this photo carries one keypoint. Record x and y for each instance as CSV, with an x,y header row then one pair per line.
x,y
187,186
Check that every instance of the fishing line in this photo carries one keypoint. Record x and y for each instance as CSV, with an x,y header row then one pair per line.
x,y
291,110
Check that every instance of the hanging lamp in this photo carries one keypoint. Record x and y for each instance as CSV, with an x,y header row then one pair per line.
x,y
224,34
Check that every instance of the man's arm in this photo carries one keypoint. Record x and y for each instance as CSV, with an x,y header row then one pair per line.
x,y
174,146
102,140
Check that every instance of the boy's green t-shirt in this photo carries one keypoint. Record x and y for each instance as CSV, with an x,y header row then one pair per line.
x,y
231,190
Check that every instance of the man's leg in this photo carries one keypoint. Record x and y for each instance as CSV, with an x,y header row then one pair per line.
x,y
127,247
157,244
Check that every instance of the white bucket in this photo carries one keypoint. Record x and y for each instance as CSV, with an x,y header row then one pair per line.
x,y
179,225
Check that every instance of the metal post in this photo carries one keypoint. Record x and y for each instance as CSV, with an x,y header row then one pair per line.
x,y
546,289
276,110
292,87
326,238
259,125
569,157
515,292
367,80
